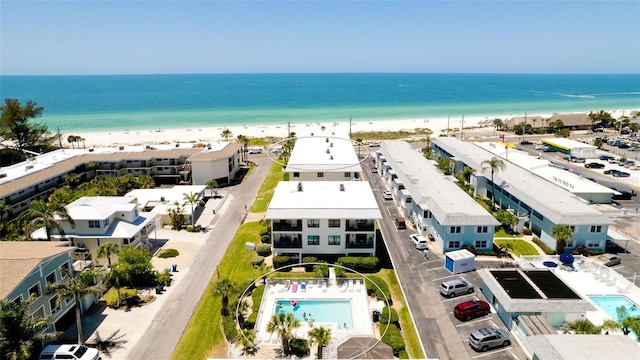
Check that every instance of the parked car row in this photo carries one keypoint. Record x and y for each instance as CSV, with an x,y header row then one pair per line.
x,y
616,173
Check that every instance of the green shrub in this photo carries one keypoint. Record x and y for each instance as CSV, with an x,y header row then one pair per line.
x,y
299,347
486,252
256,298
547,250
111,296
257,260
229,326
168,253
164,277
393,338
360,264
373,290
527,231
403,355
309,259
250,323
263,249
265,239
389,315
280,261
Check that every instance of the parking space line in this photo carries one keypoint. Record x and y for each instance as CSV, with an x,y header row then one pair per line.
x,y
471,322
445,277
493,352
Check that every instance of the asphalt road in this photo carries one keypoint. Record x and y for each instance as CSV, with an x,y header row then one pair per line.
x,y
162,336
441,334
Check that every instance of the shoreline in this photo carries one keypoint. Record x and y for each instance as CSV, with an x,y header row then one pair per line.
x,y
214,133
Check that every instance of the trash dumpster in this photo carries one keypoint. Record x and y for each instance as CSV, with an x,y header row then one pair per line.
x,y
174,268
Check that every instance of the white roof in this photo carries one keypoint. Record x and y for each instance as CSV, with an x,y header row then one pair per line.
x,y
553,202
432,190
460,254
152,197
568,143
323,200
325,152
99,207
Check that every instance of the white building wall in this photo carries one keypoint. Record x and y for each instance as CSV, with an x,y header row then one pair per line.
x,y
202,171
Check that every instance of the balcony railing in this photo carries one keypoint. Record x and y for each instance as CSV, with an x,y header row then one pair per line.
x,y
360,225
360,242
287,225
287,242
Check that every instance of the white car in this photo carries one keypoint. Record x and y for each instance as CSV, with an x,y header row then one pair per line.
x,y
278,151
419,242
72,352
374,144
255,151
387,195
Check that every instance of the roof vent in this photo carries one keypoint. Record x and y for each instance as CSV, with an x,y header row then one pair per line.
x,y
331,145
91,150
3,175
341,187
328,151
326,139
300,186
162,199
121,147
29,167
330,157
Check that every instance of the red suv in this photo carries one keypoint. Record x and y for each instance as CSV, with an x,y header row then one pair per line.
x,y
470,309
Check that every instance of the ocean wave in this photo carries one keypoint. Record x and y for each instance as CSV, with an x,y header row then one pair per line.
x,y
578,96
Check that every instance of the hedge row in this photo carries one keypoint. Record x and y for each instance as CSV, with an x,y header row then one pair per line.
x,y
360,264
381,293
393,338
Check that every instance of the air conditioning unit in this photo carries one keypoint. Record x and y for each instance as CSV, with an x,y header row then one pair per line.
x,y
121,147
341,187
3,175
299,186
29,167
90,150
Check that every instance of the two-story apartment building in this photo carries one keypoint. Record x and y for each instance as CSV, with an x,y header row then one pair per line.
x,y
26,269
40,176
103,219
323,218
323,157
447,214
539,203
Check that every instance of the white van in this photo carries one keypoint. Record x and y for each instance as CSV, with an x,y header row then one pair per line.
x,y
78,352
255,151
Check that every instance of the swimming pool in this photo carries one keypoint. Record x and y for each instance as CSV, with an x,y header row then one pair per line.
x,y
324,311
609,304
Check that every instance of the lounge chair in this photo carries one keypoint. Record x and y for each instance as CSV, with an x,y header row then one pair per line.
x,y
324,286
303,287
624,289
345,285
351,285
294,287
612,281
358,285
287,284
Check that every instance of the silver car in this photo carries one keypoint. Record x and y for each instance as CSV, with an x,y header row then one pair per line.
x,y
487,338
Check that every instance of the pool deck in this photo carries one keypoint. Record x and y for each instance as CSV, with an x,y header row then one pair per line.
x,y
586,278
360,307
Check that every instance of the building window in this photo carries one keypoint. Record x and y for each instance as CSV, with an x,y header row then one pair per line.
x,y
38,314
347,174
569,244
51,278
596,228
35,291
573,229
593,243
320,174
64,268
455,230
482,229
453,245
334,223
53,304
313,240
313,223
94,224
334,239
106,222
296,174
481,244
427,214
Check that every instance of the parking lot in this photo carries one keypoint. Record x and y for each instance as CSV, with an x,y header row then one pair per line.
x,y
442,335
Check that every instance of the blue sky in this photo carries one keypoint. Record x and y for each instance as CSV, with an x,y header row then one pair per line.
x,y
139,37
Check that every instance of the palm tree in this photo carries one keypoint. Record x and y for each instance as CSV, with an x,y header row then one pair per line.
x,y
582,326
72,178
74,288
248,340
226,134
212,184
20,330
321,336
118,276
44,214
224,288
625,322
145,182
562,234
191,198
494,164
106,250
283,324
244,140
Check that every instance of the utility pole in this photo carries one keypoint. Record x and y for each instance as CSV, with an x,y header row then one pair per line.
x,y
349,126
462,128
288,129
60,138
448,125
524,125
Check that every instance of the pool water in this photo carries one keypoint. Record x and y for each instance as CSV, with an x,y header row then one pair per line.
x,y
324,311
609,304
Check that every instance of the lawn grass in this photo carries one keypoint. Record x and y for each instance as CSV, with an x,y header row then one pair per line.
x,y
502,233
265,193
203,334
520,247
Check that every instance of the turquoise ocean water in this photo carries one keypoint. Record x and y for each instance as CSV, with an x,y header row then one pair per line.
x,y
139,102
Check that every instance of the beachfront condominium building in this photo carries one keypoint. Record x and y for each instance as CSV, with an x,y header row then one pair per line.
x,y
323,218
99,220
40,176
439,207
324,157
539,203
162,201
27,268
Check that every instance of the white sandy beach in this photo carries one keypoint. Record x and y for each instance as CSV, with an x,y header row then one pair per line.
x,y
213,134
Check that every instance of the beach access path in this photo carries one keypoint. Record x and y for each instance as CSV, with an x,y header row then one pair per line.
x,y
153,331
